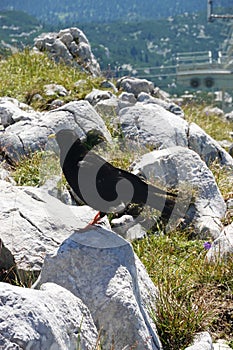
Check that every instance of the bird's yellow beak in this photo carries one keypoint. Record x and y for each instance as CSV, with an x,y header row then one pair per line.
x,y
51,136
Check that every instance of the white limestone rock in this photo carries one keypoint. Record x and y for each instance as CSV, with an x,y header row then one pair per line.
x,y
33,223
69,45
168,105
179,167
27,136
223,245
101,269
55,89
207,148
47,319
202,341
97,95
151,124
135,85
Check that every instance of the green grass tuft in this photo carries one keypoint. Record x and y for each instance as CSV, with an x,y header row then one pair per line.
x,y
24,74
192,290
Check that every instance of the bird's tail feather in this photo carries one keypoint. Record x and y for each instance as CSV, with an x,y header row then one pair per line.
x,y
163,201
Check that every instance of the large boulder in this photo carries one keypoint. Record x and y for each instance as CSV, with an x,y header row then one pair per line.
x,y
151,124
70,46
31,132
179,167
101,269
46,319
34,223
207,148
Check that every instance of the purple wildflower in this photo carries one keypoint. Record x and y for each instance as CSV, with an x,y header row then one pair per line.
x,y
207,245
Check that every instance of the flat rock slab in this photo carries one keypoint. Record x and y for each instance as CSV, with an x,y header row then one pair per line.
x,y
33,223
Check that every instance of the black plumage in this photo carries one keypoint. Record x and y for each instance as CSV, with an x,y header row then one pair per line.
x,y
101,185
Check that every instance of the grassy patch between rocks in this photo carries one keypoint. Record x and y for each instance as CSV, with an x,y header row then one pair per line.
x,y
24,75
214,125
194,294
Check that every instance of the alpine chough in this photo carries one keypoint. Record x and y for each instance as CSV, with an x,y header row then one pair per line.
x,y
104,187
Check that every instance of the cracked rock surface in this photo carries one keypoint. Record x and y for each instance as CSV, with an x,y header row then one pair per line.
x,y
33,223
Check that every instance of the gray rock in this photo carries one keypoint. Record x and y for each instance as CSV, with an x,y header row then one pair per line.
x,y
11,112
127,99
161,94
27,136
5,175
179,167
51,186
70,46
229,116
151,124
202,341
128,228
101,269
77,34
55,89
58,51
213,111
108,108
223,245
46,319
231,150
106,84
85,117
34,223
207,148
55,104
221,344
169,106
135,85
97,95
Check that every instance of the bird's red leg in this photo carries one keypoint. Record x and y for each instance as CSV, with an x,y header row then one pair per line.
x,y
95,220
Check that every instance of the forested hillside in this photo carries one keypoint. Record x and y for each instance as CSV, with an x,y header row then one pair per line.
x,y
56,11
154,42
17,29
144,43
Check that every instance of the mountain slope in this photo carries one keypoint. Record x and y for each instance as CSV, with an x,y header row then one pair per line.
x,y
56,11
154,42
17,29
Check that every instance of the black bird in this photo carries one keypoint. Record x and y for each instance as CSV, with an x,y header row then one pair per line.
x,y
101,185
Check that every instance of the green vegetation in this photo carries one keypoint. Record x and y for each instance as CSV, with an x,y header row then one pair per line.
x,y
17,29
24,75
140,42
152,43
213,125
194,294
